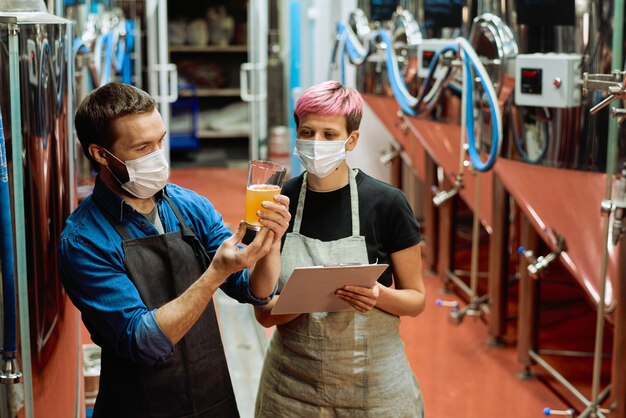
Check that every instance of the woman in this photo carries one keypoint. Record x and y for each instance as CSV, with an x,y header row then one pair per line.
x,y
343,363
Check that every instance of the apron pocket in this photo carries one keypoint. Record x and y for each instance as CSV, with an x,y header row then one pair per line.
x,y
300,369
344,373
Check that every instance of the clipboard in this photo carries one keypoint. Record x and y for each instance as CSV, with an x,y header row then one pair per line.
x,y
312,289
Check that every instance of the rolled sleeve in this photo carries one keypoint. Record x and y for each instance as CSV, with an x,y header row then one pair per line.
x,y
152,345
238,287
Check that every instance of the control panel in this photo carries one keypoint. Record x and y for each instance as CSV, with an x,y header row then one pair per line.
x,y
426,51
548,80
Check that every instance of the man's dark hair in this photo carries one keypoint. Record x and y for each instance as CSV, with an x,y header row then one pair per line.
x,y
96,114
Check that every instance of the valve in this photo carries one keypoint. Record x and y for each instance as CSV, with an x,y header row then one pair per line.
x,y
476,308
538,264
442,196
387,156
566,412
10,374
617,206
614,84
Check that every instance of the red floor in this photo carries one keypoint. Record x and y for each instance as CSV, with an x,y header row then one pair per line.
x,y
461,376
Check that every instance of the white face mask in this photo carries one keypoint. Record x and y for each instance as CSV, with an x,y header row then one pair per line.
x,y
146,175
320,158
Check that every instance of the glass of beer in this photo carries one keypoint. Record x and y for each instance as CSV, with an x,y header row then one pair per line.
x,y
265,179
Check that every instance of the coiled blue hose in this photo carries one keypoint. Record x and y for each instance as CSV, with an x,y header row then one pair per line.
x,y
414,106
471,62
409,104
6,245
496,135
347,42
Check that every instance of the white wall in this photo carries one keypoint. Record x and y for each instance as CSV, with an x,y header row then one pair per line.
x,y
374,140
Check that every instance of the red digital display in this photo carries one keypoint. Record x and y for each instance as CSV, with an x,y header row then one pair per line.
x,y
528,73
427,57
531,81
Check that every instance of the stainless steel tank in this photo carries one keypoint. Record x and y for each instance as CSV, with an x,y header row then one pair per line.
x,y
35,98
561,137
406,33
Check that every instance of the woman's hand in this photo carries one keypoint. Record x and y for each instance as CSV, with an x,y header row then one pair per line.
x,y
363,299
276,217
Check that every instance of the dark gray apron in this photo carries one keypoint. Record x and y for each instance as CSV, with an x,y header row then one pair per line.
x,y
195,381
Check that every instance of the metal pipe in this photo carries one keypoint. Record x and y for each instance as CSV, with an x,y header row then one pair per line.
x,y
475,238
558,376
616,62
483,274
19,221
598,413
162,60
460,283
9,374
569,353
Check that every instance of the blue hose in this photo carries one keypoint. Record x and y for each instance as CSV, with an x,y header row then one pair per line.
x,y
126,71
397,84
399,90
409,105
8,272
105,73
477,163
413,106
431,72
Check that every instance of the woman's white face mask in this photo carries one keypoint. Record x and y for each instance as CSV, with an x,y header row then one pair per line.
x,y
320,158
146,175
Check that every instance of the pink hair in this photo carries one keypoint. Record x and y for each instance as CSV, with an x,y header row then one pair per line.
x,y
331,98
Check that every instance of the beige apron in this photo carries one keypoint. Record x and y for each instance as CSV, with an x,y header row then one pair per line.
x,y
341,364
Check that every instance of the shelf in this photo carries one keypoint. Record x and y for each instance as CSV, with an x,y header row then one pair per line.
x,y
208,48
206,134
201,92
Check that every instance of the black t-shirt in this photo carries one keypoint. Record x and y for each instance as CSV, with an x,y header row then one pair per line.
x,y
386,219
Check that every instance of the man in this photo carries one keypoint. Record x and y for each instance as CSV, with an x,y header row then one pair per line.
x,y
352,363
141,259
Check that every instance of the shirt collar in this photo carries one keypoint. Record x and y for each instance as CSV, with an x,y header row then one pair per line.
x,y
114,203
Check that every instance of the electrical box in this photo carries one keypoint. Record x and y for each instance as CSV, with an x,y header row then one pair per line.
x,y
426,51
548,80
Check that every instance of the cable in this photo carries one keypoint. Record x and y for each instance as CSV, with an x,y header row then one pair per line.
x,y
519,141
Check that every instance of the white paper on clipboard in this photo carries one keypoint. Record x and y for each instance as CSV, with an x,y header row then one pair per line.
x,y
312,289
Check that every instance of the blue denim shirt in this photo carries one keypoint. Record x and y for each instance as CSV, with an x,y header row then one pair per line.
x,y
93,273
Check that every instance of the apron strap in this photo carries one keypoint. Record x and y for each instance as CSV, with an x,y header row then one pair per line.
x,y
300,208
185,228
354,203
188,234
121,230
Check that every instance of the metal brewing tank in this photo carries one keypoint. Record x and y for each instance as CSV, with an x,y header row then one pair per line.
x,y
406,33
37,100
568,138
